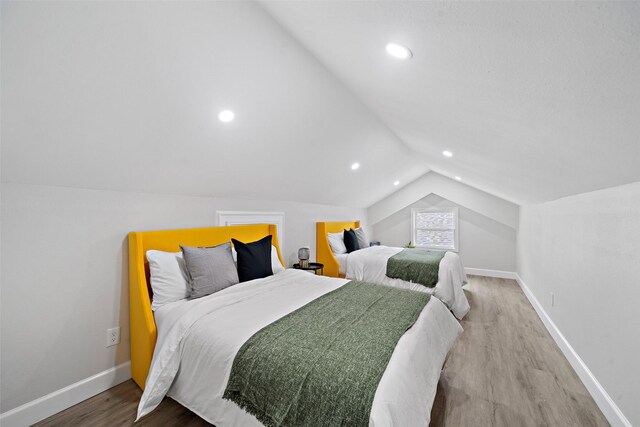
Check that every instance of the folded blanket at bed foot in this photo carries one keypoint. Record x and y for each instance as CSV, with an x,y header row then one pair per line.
x,y
416,265
321,364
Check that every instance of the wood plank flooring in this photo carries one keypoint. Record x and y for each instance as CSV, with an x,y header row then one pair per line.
x,y
505,370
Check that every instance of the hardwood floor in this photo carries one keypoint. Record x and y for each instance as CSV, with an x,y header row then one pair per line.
x,y
505,370
117,407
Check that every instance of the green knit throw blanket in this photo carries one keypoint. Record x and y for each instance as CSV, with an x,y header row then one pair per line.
x,y
415,265
321,364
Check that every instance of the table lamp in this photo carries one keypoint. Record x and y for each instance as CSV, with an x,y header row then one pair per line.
x,y
303,256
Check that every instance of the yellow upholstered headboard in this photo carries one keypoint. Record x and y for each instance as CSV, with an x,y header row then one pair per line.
x,y
142,324
324,254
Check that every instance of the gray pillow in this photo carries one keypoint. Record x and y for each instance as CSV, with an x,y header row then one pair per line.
x,y
209,269
363,242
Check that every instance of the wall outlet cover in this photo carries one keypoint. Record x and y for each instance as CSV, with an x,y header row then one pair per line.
x,y
113,336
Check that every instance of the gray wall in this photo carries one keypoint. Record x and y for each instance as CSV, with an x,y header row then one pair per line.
x,y
586,250
477,233
65,273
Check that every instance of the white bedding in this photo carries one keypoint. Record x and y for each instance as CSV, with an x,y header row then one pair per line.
x,y
370,264
198,340
342,262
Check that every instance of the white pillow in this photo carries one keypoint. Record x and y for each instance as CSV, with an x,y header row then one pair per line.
x,y
276,265
363,242
169,280
336,241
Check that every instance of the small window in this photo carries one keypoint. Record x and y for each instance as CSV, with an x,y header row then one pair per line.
x,y
435,228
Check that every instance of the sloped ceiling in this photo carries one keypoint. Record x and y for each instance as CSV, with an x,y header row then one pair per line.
x,y
478,201
125,95
537,100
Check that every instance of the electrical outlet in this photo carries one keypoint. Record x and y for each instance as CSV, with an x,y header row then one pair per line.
x,y
113,336
552,299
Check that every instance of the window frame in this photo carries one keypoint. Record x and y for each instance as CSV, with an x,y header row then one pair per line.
x,y
456,230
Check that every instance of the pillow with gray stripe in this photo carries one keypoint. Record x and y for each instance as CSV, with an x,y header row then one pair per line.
x,y
209,269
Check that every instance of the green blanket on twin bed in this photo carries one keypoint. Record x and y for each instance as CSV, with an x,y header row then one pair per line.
x,y
415,265
321,364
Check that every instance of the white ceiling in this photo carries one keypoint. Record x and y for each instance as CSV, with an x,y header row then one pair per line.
x,y
537,100
125,95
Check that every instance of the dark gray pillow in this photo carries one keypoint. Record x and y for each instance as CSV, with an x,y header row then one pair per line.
x,y
209,269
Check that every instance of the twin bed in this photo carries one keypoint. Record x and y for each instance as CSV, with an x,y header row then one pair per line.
x,y
370,264
195,350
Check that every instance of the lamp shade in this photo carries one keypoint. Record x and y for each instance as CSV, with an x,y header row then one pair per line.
x,y
303,253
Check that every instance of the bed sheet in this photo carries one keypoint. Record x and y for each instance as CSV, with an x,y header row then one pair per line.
x,y
198,340
370,265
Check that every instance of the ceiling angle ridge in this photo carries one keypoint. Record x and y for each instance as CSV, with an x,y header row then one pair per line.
x,y
346,88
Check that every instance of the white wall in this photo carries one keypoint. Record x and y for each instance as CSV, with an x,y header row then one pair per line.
x,y
477,233
65,273
108,105
486,221
586,250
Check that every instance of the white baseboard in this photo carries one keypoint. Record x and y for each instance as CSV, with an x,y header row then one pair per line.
x,y
491,273
608,407
52,403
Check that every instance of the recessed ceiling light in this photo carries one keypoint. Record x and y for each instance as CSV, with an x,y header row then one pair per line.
x,y
396,183
447,153
226,116
355,166
399,51
458,178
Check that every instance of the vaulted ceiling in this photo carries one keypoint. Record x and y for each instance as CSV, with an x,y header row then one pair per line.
x,y
124,96
535,100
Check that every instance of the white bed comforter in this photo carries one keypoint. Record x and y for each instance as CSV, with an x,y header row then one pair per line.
x,y
370,265
198,340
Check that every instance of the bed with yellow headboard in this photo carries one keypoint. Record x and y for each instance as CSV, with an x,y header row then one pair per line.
x,y
370,265
324,254
142,324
